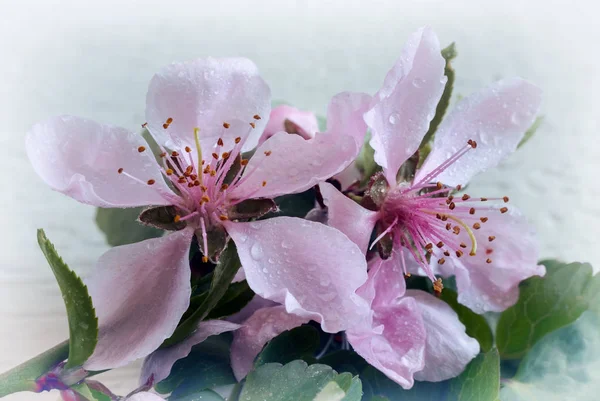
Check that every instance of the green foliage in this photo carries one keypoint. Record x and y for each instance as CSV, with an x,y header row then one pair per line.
x,y
120,226
476,325
23,377
531,131
561,366
206,395
299,343
207,366
297,381
479,382
365,161
448,53
295,205
229,264
546,304
236,297
83,324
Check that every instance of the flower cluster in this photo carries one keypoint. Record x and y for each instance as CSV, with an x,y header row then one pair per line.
x,y
210,172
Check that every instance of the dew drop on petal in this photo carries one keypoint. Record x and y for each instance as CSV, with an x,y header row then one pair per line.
x,y
256,251
286,245
394,118
418,82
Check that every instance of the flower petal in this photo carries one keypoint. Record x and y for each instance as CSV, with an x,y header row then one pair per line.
x,y
205,93
80,158
144,396
303,122
448,348
313,269
348,216
387,280
395,344
255,304
495,117
140,291
264,325
403,108
294,164
513,253
345,115
157,366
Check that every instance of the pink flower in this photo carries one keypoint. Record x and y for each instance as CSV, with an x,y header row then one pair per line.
x,y
291,120
203,114
409,334
489,248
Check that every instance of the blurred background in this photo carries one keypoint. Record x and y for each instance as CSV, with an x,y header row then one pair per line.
x,y
95,58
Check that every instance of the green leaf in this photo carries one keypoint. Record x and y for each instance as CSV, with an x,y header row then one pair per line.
x,y
229,264
561,366
23,377
531,131
120,226
297,381
237,296
299,343
295,205
365,161
206,395
546,304
207,366
476,325
448,53
83,324
480,381
83,390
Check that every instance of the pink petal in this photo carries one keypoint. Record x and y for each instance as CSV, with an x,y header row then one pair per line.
x,y
387,280
514,253
294,164
205,93
403,108
140,291
80,158
345,115
350,175
159,363
395,344
305,121
495,117
448,348
313,269
255,304
264,325
348,216
144,396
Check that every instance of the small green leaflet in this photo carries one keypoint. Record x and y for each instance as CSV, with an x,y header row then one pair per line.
x,y
449,54
299,343
83,324
120,226
229,264
298,381
546,304
531,131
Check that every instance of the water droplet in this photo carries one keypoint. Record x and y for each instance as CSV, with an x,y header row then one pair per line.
x,y
394,118
287,245
325,282
418,82
515,118
243,238
328,296
265,270
254,225
272,261
256,251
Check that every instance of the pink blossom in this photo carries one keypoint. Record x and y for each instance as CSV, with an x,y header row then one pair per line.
x,y
409,334
203,114
490,248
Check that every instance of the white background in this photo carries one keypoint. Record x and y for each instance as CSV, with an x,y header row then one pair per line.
x,y
94,59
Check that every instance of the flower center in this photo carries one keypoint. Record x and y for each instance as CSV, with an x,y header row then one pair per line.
x,y
426,220
202,182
